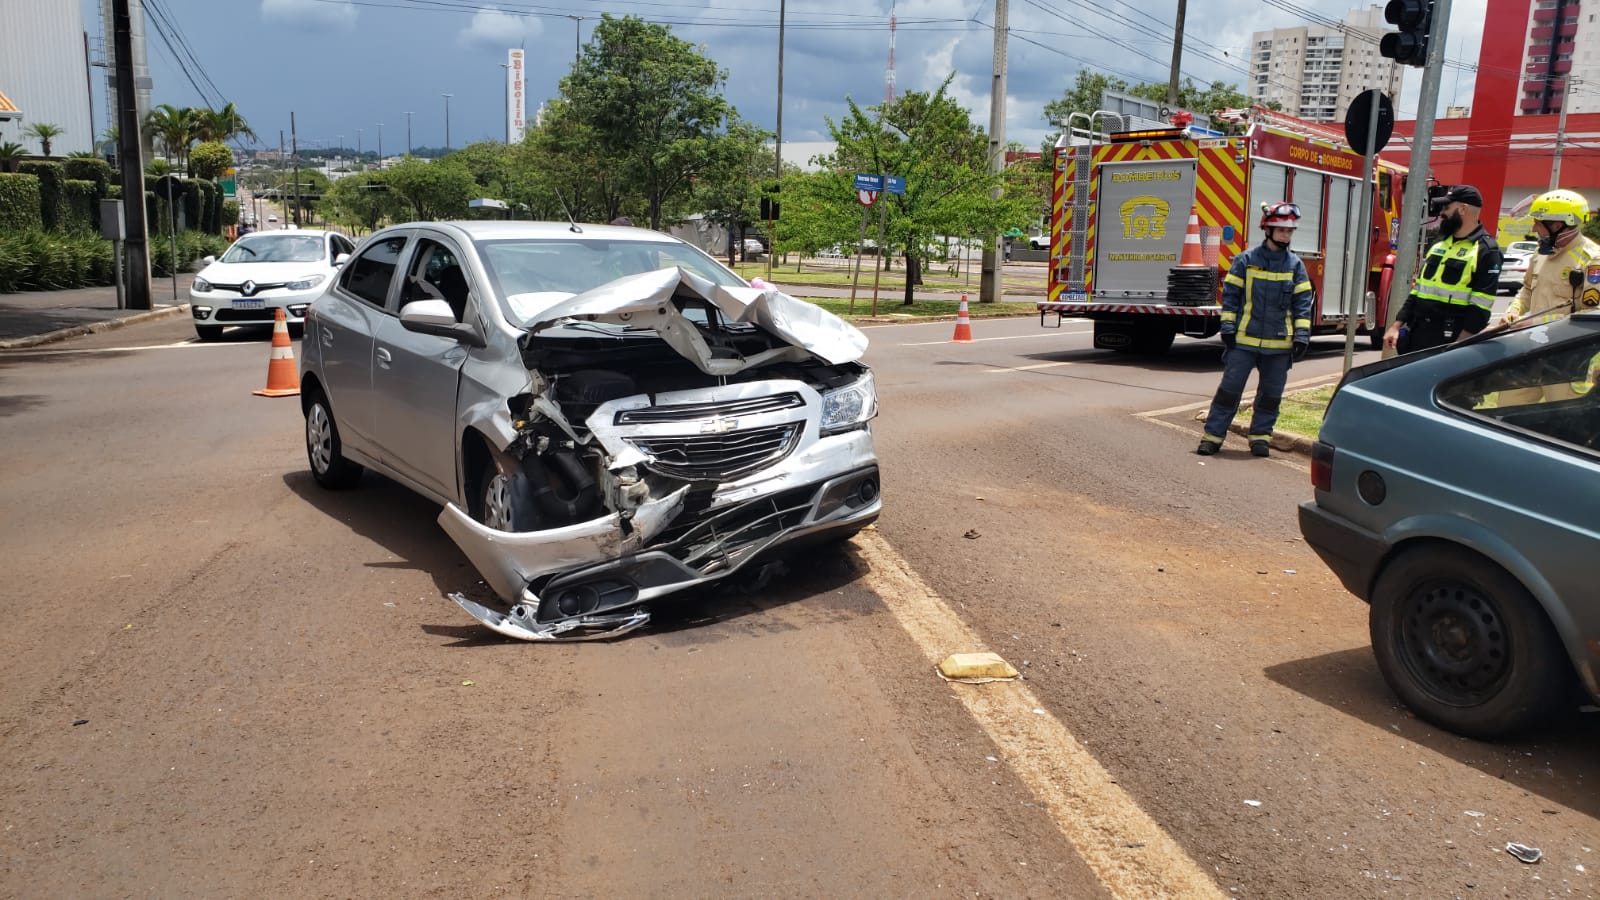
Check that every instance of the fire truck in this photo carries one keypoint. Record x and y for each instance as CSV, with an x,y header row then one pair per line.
x,y
1121,208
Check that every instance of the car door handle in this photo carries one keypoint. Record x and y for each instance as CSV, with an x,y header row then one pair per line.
x,y
384,358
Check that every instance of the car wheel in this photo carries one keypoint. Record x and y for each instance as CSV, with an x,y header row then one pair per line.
x,y
297,330
324,452
208,333
504,501
1464,644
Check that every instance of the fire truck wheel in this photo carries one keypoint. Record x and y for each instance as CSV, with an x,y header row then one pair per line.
x,y
1152,341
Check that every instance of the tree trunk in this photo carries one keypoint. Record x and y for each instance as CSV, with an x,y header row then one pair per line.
x,y
913,277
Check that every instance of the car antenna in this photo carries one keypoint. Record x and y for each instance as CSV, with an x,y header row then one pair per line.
x,y
573,222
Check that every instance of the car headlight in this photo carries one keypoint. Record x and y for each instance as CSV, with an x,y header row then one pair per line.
x,y
200,286
305,284
849,407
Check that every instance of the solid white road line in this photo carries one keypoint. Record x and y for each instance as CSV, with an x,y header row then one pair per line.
x,y
1014,337
1049,365
1292,386
1130,854
178,345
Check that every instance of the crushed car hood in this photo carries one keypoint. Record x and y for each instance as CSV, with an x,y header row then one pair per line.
x,y
644,302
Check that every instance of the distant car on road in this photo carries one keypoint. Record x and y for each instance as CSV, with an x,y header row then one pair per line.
x,y
1039,242
1513,268
607,414
263,272
1521,248
1456,493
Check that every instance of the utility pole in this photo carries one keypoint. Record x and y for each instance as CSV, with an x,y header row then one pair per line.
x,y
1416,194
777,148
990,288
361,161
447,121
577,37
1561,134
380,145
136,243
408,132
295,148
1177,56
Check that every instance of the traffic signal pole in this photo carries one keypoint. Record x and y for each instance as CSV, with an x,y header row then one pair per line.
x,y
990,285
1416,192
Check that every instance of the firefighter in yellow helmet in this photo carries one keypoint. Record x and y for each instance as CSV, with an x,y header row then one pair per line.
x,y
1554,282
1554,285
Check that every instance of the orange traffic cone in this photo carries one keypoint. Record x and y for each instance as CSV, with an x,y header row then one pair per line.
x,y
283,378
1192,255
963,324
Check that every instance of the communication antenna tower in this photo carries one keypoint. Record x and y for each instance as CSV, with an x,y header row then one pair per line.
x,y
888,87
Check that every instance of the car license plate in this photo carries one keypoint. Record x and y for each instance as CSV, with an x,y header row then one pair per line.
x,y
249,304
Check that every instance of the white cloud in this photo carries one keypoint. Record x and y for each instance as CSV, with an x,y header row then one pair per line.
x,y
340,14
494,28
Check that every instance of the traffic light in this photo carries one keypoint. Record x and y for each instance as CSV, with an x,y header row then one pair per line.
x,y
1409,45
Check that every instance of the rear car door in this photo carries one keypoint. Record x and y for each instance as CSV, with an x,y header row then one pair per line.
x,y
415,376
346,320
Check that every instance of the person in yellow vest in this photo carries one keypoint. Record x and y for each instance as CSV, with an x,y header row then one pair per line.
x,y
1454,293
1554,286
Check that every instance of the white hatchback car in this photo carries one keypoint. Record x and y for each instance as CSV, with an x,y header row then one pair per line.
x,y
262,273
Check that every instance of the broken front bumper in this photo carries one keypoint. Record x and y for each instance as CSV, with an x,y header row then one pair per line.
x,y
591,577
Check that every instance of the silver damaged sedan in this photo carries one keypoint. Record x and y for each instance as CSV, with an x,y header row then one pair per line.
x,y
607,414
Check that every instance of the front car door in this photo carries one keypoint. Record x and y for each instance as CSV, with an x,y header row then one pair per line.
x,y
347,318
416,376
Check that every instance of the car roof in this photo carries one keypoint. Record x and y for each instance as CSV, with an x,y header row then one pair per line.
x,y
492,230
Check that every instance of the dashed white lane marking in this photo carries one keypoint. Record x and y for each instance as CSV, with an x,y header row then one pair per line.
x,y
1014,337
1130,854
1049,365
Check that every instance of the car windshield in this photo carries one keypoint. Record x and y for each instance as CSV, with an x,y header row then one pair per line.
x,y
534,274
275,248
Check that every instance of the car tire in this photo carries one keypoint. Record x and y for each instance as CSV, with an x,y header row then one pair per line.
x,y
297,331
208,333
1464,644
324,451
504,501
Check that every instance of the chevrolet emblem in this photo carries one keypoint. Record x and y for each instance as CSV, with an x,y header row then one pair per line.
x,y
248,288
719,425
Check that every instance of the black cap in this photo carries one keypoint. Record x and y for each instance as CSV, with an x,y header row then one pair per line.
x,y
1465,193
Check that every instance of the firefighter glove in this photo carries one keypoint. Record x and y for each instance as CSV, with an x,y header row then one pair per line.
x,y
1228,338
1301,348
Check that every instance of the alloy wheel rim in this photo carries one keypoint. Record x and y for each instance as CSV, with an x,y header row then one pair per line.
x,y
1454,643
497,502
319,439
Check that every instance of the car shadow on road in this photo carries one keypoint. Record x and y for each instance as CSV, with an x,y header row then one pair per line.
x,y
405,524
1557,762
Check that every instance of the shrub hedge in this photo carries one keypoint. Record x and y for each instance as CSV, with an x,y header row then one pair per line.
x,y
80,207
34,260
19,202
85,169
50,175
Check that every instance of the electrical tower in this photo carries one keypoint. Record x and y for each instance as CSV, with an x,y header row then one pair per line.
x,y
888,86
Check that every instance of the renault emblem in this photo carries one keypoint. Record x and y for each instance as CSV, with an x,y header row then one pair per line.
x,y
719,425
248,288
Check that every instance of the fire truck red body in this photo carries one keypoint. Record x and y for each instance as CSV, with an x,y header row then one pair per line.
x,y
1121,207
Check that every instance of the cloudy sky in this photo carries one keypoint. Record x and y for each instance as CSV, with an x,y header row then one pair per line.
x,y
344,65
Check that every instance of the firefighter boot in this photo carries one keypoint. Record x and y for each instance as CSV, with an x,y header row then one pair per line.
x,y
1208,447
1259,448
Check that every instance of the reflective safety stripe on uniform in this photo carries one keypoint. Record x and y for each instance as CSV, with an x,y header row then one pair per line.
x,y
1251,274
1431,287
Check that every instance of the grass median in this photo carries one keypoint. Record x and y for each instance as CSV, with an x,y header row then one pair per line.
x,y
1300,413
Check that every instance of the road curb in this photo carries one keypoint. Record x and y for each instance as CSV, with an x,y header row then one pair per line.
x,y
1285,441
93,328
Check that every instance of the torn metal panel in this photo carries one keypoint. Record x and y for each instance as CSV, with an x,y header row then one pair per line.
x,y
519,623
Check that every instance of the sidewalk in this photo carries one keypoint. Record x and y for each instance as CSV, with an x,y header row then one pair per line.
x,y
30,318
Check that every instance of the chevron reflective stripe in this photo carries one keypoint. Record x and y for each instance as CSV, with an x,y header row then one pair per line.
x,y
1062,192
1155,309
1219,195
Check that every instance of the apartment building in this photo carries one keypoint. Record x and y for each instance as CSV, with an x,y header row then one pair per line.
x,y
1561,53
1314,71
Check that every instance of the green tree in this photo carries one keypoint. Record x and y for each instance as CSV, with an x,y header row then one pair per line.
x,y
175,128
489,163
361,201
44,133
1084,95
929,140
740,165
221,124
814,215
431,190
210,159
1200,100
11,154
560,170
652,105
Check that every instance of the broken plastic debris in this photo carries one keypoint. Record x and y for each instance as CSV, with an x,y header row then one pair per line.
x,y
1288,571
991,759
466,684
972,534
1524,852
1474,813
78,722
976,668
1252,803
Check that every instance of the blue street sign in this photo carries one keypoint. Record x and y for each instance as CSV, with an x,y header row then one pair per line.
x,y
866,182
897,185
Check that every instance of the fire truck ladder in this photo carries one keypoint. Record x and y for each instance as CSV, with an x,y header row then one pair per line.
x,y
1078,228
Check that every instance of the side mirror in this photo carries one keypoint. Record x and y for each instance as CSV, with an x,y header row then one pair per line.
x,y
436,318
208,260
340,260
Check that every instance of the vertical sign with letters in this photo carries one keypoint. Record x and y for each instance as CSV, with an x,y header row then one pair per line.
x,y
514,96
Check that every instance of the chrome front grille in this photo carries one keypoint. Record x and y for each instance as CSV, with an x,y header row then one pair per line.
x,y
719,457
688,412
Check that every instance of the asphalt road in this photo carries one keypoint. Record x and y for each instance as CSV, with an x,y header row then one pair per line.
x,y
275,698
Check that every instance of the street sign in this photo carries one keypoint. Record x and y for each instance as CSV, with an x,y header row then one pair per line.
x,y
866,182
896,185
867,198
1360,116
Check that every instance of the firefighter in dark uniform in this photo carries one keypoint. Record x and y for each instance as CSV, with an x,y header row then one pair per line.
x,y
1455,290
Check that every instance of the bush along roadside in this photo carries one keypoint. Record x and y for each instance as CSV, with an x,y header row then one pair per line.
x,y
37,261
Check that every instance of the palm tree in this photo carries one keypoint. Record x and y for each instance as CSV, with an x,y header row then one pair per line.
x,y
225,123
44,132
109,138
10,155
175,128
